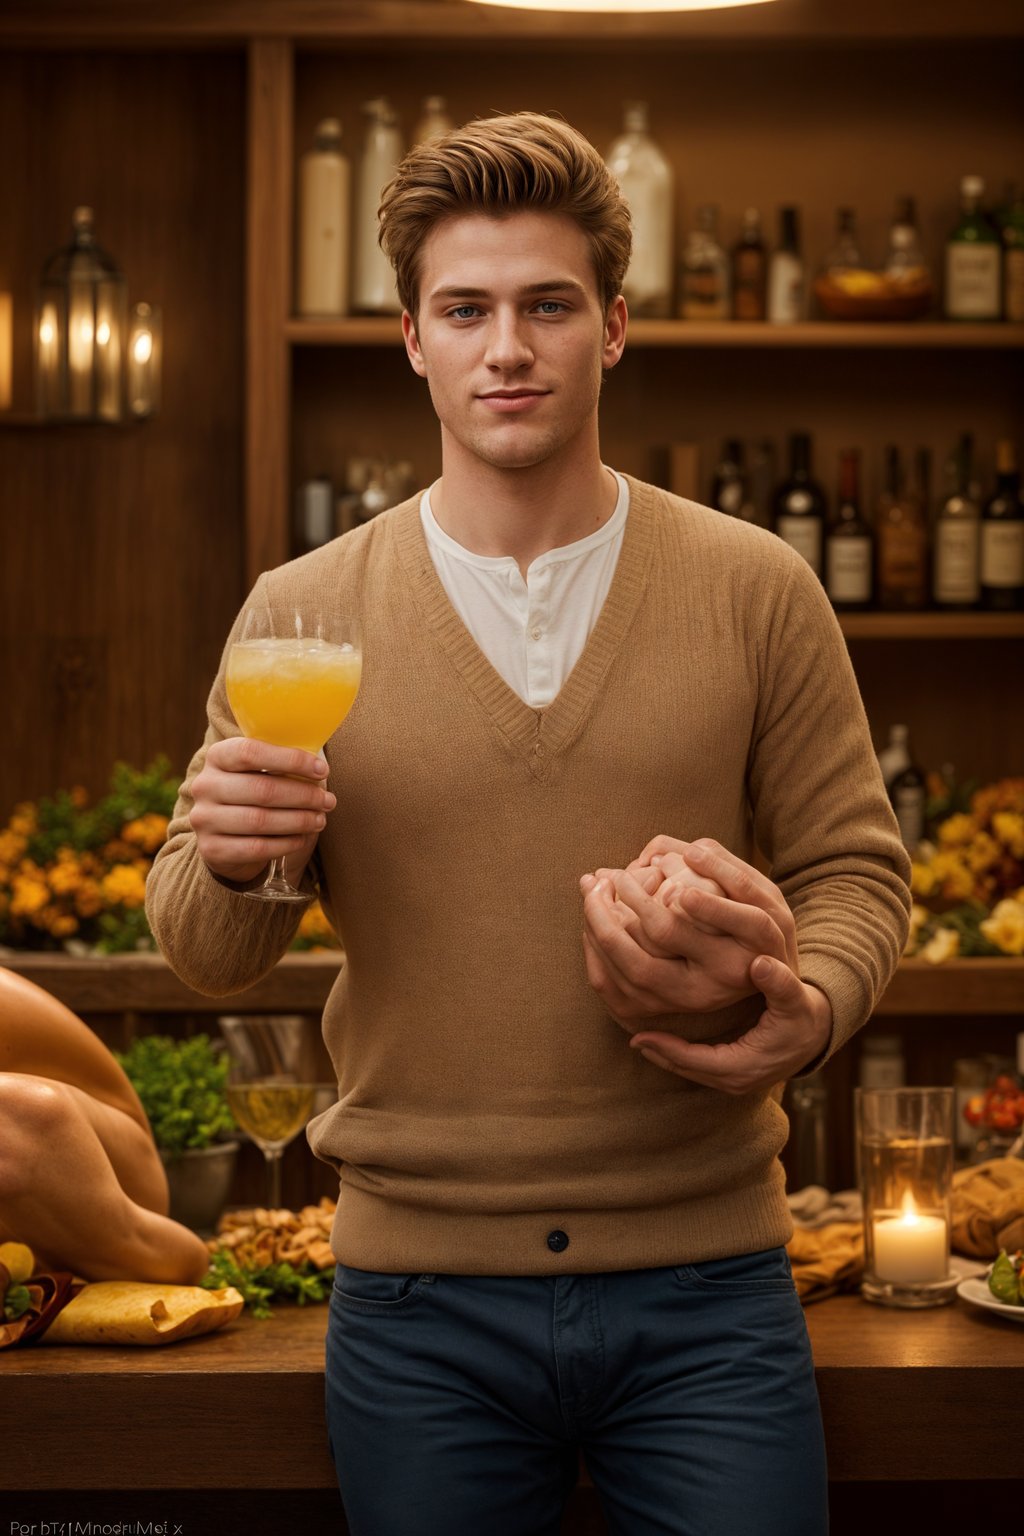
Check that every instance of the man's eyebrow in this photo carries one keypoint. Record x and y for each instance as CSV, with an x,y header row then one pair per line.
x,y
549,285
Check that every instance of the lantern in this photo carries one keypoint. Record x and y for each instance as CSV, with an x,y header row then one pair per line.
x,y
143,370
81,326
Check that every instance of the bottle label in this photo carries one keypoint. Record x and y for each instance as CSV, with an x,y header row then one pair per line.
x,y
785,288
908,803
972,281
1013,284
748,285
956,561
848,573
804,535
648,284
1002,554
903,563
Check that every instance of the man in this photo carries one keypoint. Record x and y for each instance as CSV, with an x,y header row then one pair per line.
x,y
548,1240
81,1181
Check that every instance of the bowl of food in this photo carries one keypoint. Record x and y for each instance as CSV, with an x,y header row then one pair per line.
x,y
858,293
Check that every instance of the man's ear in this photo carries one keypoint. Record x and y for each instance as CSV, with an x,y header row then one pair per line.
x,y
412,344
614,333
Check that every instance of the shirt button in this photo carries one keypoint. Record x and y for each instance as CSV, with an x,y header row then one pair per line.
x,y
538,750
558,1241
535,634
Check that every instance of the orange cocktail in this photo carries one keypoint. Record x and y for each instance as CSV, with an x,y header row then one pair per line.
x,y
292,692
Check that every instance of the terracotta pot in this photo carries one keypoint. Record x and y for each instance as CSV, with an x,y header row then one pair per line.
x,y
200,1182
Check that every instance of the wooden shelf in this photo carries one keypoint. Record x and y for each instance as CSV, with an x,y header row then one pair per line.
x,y
385,331
932,626
96,984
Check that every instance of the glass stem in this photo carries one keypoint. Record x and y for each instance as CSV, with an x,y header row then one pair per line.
x,y
273,1157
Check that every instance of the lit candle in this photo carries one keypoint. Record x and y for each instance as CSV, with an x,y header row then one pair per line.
x,y
910,1249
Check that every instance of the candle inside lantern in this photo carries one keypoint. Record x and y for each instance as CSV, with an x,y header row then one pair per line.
x,y
911,1248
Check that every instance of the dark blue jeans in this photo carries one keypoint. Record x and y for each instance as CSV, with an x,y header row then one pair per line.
x,y
457,1404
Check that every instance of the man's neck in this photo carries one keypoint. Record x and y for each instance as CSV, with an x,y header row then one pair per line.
x,y
522,512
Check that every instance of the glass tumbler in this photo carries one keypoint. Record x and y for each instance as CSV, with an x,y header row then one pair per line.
x,y
905,1172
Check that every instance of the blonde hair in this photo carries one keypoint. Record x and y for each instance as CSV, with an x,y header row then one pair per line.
x,y
500,165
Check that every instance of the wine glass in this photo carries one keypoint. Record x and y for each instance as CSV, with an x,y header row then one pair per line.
x,y
274,1084
292,690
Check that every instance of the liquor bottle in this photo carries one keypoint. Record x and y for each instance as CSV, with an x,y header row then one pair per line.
x,y
323,220
800,505
907,794
1011,229
704,271
973,260
955,579
905,257
729,491
1002,537
646,182
434,121
763,479
786,277
845,254
315,508
749,270
374,279
895,755
849,547
901,535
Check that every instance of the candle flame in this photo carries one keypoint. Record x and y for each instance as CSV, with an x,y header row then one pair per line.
x,y
910,1216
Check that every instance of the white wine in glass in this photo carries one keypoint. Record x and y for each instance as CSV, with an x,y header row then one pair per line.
x,y
292,691
273,1086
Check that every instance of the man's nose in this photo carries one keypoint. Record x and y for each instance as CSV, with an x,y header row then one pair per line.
x,y
508,343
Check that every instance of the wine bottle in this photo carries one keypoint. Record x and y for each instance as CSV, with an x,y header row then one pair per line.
x,y
907,794
786,277
955,579
434,121
849,546
895,755
800,505
1002,537
901,534
973,260
729,491
749,270
646,182
1012,233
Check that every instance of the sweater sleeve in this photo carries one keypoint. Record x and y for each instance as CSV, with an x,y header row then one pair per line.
x,y
820,810
212,936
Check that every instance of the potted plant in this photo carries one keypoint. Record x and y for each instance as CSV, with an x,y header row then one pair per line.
x,y
181,1084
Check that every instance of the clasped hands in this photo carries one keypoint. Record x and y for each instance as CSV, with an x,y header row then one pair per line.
x,y
691,928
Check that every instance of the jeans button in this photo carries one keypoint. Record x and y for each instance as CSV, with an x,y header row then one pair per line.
x,y
558,1241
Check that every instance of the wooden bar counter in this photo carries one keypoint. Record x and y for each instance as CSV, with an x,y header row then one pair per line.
x,y
906,1396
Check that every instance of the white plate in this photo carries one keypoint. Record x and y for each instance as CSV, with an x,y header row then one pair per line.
x,y
979,1295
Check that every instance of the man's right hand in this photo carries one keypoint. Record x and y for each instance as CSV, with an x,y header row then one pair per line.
x,y
253,802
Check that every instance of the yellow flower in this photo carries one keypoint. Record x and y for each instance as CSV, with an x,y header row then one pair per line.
x,y
315,927
88,899
66,874
1008,826
922,879
79,797
956,881
983,853
12,846
146,832
24,821
1005,927
124,886
943,945
957,829
918,917
29,895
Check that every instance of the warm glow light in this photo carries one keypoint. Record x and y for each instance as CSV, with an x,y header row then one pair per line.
x,y
910,1216
47,332
142,347
102,333
611,7
6,349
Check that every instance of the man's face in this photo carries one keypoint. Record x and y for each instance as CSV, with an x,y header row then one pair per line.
x,y
511,336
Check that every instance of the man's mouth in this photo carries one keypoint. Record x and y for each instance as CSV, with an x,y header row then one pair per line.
x,y
509,401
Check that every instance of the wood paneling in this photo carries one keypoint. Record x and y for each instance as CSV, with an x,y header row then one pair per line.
x,y
122,546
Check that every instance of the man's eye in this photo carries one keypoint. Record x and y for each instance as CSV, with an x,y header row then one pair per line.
x,y
550,306
464,311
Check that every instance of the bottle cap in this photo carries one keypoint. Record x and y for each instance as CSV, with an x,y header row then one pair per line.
x,y
972,186
330,128
636,117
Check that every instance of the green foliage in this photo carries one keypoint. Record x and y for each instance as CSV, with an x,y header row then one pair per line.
x,y
259,1286
181,1084
62,822
124,932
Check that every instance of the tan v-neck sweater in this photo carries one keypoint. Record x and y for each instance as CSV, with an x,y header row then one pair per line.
x,y
486,1099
